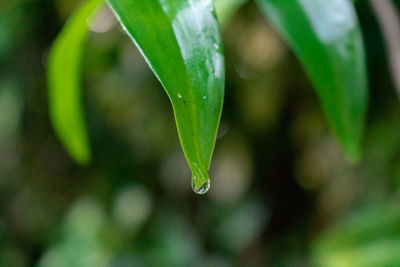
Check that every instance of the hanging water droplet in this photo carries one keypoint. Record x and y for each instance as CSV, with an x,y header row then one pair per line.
x,y
201,190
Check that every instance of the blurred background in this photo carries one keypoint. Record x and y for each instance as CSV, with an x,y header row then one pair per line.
x,y
282,193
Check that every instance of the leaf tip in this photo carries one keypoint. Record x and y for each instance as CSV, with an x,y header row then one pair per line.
x,y
353,152
82,157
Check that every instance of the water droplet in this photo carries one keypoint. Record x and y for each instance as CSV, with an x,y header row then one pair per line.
x,y
202,189
216,46
204,97
179,96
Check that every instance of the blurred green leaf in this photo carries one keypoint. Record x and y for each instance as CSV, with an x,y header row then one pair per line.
x,y
180,40
362,227
226,9
326,37
381,253
64,72
367,238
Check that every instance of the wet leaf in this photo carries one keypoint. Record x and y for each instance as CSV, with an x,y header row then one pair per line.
x,y
181,42
326,36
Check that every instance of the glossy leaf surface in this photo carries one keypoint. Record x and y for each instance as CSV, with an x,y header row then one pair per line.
x,y
64,73
181,42
325,35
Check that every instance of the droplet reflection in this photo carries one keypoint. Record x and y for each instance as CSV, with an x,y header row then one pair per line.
x,y
202,189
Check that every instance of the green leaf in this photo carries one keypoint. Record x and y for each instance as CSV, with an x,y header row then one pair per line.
x,y
383,252
64,73
326,36
362,239
226,9
181,42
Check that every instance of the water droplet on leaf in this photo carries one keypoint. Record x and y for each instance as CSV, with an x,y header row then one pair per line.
x,y
201,190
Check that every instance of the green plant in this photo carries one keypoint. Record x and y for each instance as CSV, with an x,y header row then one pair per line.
x,y
363,233
180,40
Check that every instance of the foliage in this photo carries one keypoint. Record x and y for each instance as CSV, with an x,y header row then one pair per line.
x,y
181,43
332,51
64,83
283,194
